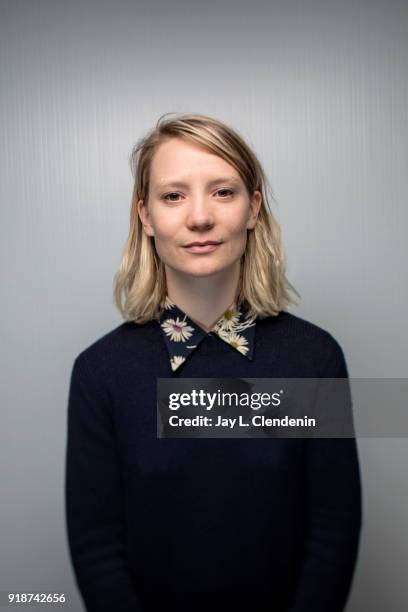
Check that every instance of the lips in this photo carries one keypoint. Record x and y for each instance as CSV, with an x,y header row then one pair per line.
x,y
201,244
206,247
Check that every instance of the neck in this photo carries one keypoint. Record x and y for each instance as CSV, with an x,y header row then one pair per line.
x,y
204,300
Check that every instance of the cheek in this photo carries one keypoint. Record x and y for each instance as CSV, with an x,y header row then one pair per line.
x,y
238,231
166,238
166,228
239,244
235,220
236,242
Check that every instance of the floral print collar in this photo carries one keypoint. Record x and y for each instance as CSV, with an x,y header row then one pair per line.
x,y
182,335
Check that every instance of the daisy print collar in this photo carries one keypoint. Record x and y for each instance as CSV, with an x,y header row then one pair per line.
x,y
182,335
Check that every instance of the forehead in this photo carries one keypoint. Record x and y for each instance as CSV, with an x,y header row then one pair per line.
x,y
180,160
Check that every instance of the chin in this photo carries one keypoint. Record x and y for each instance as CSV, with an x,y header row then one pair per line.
x,y
201,269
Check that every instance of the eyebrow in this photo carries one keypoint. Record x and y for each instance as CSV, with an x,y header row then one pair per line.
x,y
221,179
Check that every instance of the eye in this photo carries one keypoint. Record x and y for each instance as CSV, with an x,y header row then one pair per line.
x,y
173,195
167,197
229,192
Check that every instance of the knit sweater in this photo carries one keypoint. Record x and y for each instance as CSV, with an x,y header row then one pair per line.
x,y
187,525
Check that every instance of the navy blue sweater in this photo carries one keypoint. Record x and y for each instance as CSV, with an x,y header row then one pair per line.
x,y
187,525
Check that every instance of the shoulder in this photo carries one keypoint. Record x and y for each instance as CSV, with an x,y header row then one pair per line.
x,y
291,326
128,340
302,339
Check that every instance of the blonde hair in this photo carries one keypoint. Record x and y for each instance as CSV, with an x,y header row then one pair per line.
x,y
140,282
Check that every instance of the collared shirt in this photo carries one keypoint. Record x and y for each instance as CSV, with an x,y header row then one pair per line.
x,y
188,499
182,335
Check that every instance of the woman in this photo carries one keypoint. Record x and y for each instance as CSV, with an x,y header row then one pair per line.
x,y
204,524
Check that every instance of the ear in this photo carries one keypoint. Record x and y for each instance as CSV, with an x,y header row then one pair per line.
x,y
255,206
145,217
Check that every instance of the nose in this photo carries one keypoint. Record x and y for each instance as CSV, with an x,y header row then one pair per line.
x,y
200,214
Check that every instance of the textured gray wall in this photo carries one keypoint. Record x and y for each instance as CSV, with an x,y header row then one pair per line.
x,y
319,89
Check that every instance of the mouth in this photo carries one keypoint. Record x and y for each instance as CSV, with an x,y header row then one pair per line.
x,y
203,247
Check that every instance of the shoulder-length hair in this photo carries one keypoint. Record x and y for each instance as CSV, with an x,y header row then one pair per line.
x,y
140,283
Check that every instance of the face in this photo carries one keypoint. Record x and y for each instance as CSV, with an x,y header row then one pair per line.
x,y
196,196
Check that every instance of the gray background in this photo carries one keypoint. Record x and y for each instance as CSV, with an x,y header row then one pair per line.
x,y
319,89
